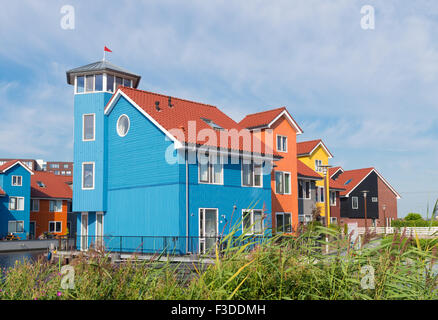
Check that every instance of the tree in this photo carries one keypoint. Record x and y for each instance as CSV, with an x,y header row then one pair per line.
x,y
413,217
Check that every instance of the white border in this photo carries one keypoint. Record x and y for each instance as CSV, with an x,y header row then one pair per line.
x,y
117,125
203,226
83,127
94,175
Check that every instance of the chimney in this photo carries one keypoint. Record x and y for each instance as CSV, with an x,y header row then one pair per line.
x,y
157,105
170,102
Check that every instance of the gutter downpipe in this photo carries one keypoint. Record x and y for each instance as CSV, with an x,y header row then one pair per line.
x,y
187,201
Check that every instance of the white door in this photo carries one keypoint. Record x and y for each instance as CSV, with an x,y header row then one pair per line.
x,y
99,229
208,229
84,231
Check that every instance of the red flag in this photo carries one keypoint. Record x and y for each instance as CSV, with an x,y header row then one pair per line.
x,y
106,49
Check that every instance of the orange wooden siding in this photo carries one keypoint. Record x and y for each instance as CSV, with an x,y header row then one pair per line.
x,y
44,215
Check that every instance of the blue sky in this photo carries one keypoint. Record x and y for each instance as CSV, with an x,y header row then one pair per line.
x,y
371,95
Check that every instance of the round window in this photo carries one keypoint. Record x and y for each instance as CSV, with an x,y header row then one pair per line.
x,y
123,125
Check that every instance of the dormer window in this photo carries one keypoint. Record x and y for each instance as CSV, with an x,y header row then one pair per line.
x,y
212,124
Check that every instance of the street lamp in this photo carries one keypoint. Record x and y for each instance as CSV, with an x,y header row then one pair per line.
x,y
326,198
366,218
327,193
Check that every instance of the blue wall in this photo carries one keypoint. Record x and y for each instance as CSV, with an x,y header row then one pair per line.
x,y
18,191
146,196
89,151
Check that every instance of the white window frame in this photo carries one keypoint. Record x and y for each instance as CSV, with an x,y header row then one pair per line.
x,y
99,238
333,220
117,125
251,213
16,221
374,199
33,201
55,201
303,189
17,178
83,127
252,165
318,164
94,175
283,147
321,191
210,170
283,174
283,214
16,203
332,203
357,203
55,222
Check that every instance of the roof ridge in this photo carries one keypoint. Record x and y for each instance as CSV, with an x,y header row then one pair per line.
x,y
167,96
307,141
270,110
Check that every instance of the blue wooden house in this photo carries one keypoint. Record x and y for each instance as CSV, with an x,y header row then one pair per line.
x,y
14,199
148,173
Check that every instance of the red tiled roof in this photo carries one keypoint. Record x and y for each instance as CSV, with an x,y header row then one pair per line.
x,y
55,186
335,184
306,147
264,118
2,193
181,113
304,171
355,176
11,163
7,165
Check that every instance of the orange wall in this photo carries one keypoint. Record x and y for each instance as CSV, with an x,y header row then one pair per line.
x,y
43,217
280,202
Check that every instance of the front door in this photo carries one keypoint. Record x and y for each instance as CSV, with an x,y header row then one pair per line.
x,y
32,230
84,231
208,229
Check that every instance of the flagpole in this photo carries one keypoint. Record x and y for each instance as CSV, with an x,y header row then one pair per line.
x,y
103,54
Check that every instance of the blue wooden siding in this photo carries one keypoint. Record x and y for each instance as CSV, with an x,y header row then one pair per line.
x,y
90,151
15,191
145,197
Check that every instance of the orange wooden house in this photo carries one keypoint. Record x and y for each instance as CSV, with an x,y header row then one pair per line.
x,y
51,197
277,128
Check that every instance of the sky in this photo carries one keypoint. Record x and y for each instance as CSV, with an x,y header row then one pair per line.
x,y
370,94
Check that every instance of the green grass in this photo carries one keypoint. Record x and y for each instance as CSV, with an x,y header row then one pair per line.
x,y
279,268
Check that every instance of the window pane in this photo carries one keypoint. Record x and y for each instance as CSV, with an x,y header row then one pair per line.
x,y
109,83
80,84
118,82
51,227
20,205
258,222
89,127
279,182
89,83
88,175
20,226
99,83
247,221
300,189
203,172
126,82
287,223
308,190
247,174
279,147
217,171
13,203
284,143
58,226
280,222
123,125
286,183
257,175
11,226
